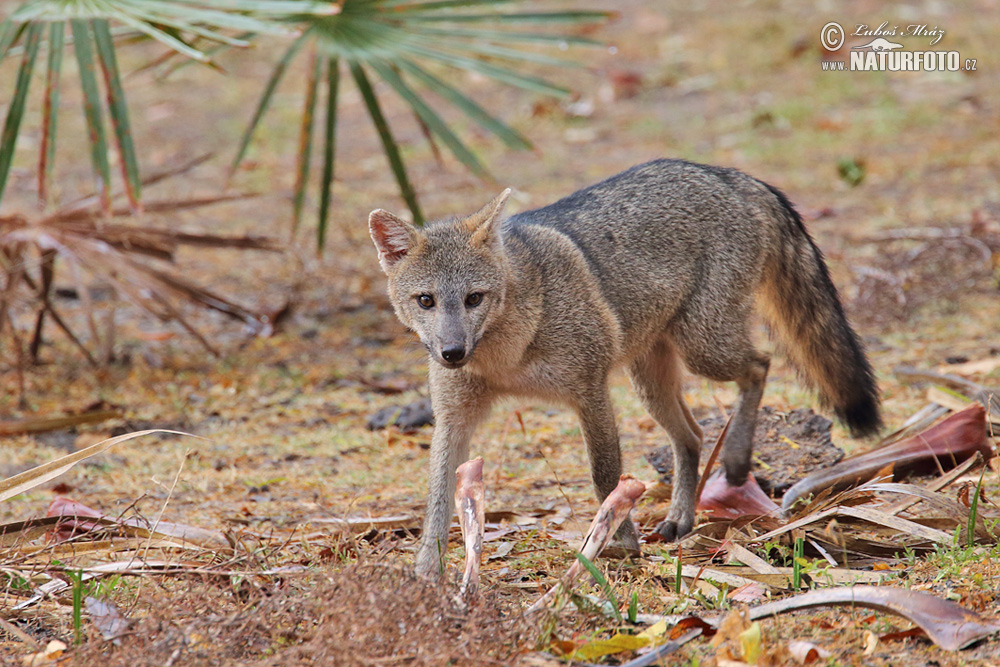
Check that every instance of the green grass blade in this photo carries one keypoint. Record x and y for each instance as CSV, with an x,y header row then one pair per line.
x,y
205,22
305,142
497,72
798,558
517,55
176,26
12,125
506,134
265,100
50,110
259,7
174,67
526,17
164,38
603,583
507,36
77,580
417,37
388,142
118,110
329,151
431,118
92,109
9,34
409,5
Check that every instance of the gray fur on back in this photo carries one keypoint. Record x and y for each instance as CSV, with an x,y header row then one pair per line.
x,y
660,230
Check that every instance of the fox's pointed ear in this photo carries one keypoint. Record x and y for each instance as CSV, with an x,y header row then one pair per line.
x,y
483,223
393,237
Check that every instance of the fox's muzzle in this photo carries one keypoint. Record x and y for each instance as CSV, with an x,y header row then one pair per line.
x,y
452,355
451,345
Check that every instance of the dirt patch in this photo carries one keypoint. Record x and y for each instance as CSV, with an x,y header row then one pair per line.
x,y
787,447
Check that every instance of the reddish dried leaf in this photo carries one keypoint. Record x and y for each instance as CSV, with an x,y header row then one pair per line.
x,y
941,447
949,625
723,501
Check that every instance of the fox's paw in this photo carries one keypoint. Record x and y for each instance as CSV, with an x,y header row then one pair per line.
x,y
428,565
674,529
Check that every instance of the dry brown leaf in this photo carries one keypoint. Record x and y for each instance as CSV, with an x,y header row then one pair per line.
x,y
72,511
870,640
52,652
355,525
747,593
737,552
940,447
43,424
722,500
806,653
949,625
38,475
977,367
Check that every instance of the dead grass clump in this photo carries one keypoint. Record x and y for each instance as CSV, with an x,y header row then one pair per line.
x,y
361,614
917,267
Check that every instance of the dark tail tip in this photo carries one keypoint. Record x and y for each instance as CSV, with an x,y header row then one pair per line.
x,y
862,416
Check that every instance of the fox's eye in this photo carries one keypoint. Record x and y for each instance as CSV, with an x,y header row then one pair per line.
x,y
426,301
474,299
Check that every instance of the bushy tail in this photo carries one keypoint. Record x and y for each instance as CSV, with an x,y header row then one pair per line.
x,y
800,304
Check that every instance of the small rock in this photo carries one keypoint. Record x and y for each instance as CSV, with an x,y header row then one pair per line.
x,y
407,418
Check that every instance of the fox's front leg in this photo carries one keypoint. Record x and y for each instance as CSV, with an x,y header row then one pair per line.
x,y
460,404
597,418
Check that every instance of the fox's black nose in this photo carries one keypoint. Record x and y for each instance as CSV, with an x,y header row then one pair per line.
x,y
453,353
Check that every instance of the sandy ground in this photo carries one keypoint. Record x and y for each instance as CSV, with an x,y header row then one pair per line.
x,y
284,417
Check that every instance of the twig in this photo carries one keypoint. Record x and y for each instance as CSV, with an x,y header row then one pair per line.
x,y
170,493
15,631
939,483
711,460
990,398
555,476
919,234
666,649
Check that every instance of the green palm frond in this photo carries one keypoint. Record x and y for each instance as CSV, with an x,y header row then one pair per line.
x,y
165,20
404,43
174,23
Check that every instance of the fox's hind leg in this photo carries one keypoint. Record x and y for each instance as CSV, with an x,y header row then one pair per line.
x,y
715,342
657,380
738,447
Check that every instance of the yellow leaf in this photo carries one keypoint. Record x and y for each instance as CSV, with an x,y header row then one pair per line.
x,y
619,643
654,631
53,650
750,642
